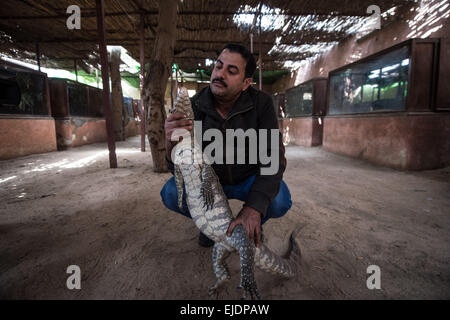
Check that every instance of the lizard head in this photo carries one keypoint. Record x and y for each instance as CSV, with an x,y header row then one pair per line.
x,y
183,104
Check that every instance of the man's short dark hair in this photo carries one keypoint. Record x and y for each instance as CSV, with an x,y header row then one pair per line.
x,y
246,54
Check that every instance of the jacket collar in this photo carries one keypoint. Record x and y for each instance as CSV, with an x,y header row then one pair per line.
x,y
205,103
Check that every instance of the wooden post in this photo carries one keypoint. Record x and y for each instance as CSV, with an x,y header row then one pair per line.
x,y
117,105
75,67
141,80
156,82
38,56
105,78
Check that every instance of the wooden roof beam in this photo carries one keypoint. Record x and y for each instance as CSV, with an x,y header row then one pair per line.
x,y
135,41
182,13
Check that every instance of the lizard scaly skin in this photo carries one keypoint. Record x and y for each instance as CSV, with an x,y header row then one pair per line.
x,y
211,213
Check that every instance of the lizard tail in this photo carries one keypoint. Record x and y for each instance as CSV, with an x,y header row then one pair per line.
x,y
286,266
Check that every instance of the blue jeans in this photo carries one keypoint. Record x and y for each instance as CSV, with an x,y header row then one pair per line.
x,y
277,208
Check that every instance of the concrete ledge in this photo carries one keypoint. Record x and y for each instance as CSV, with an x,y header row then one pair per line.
x,y
21,136
408,142
302,131
25,116
132,128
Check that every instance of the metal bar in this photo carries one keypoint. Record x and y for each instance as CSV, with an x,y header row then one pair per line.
x,y
171,87
75,67
47,91
105,78
141,81
260,56
176,81
378,84
89,108
38,56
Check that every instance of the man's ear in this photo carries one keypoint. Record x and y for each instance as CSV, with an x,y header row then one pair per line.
x,y
247,83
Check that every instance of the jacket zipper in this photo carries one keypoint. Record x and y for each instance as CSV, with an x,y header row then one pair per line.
x,y
230,172
242,111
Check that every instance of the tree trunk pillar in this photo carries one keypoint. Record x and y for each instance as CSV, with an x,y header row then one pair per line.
x,y
117,97
156,81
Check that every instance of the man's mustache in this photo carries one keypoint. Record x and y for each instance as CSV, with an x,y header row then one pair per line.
x,y
221,81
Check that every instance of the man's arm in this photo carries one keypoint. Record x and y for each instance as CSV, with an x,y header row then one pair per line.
x,y
264,187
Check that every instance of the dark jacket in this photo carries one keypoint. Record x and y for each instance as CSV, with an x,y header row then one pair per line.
x,y
253,109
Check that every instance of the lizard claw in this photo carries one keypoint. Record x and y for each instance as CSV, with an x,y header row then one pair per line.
x,y
250,288
253,294
214,290
206,189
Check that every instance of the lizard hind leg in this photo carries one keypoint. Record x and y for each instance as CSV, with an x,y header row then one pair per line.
x,y
248,282
219,255
247,257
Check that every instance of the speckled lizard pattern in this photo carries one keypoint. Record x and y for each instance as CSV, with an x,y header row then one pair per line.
x,y
211,213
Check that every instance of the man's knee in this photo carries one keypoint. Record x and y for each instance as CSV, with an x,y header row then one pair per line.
x,y
169,194
280,207
281,203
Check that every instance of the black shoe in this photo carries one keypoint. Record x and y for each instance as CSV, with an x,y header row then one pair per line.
x,y
204,241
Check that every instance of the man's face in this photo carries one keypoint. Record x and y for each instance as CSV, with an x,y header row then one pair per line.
x,y
228,77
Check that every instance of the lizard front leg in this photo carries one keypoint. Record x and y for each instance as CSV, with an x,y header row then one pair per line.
x,y
206,176
179,182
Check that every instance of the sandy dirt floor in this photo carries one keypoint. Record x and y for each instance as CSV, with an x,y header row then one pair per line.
x,y
68,208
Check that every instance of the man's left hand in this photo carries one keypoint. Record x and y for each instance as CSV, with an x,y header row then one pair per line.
x,y
251,220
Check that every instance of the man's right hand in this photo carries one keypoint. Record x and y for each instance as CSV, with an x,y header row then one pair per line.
x,y
175,121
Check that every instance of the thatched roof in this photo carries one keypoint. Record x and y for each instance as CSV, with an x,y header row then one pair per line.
x,y
291,29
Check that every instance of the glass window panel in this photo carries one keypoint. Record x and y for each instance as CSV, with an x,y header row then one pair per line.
x,y
299,101
379,84
128,104
78,99
22,92
95,102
